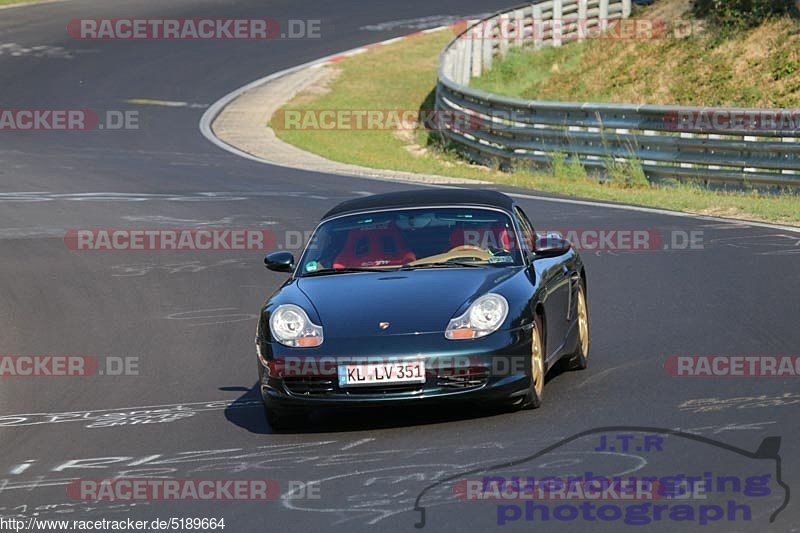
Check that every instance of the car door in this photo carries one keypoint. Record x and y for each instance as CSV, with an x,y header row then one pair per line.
x,y
555,280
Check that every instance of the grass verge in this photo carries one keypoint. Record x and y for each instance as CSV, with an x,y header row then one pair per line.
x,y
12,2
692,64
402,76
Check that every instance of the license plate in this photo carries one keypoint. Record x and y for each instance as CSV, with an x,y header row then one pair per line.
x,y
371,374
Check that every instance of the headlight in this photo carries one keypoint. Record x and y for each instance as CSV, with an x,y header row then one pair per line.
x,y
483,317
291,326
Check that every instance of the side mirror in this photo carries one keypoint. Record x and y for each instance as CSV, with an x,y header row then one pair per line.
x,y
551,245
280,261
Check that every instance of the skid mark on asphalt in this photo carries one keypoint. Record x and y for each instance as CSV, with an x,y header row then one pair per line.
x,y
368,495
709,405
387,490
24,510
733,426
46,51
393,490
133,270
211,317
604,373
770,244
100,418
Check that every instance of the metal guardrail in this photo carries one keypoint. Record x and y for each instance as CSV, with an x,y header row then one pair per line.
x,y
728,145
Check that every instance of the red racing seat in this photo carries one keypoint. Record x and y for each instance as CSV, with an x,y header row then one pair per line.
x,y
374,247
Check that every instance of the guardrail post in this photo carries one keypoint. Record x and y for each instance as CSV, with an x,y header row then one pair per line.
x,y
602,25
788,140
519,27
686,135
626,8
448,65
538,27
488,44
475,52
465,51
558,21
583,24
503,34
750,138
714,136
458,61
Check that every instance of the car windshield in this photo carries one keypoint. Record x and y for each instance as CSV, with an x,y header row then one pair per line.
x,y
412,239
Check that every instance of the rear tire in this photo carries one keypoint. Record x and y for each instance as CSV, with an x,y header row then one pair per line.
x,y
536,370
580,359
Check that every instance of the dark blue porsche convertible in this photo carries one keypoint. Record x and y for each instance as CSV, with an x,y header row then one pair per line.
x,y
437,295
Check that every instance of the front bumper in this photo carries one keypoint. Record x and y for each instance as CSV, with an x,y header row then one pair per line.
x,y
491,369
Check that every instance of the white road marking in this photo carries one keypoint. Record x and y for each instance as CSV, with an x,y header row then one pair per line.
x,y
356,443
20,468
655,211
430,22
390,41
29,4
164,103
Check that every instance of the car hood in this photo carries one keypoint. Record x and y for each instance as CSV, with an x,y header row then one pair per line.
x,y
419,301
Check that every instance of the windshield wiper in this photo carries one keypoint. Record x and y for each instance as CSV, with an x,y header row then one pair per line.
x,y
441,264
346,270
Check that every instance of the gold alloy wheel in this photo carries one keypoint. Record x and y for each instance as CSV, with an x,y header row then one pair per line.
x,y
537,363
583,323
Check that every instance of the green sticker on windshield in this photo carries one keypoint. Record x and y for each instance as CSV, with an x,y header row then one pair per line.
x,y
312,266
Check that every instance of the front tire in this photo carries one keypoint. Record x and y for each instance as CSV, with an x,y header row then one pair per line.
x,y
580,359
536,370
280,418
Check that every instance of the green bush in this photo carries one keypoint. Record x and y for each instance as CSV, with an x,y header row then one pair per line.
x,y
736,14
626,174
568,168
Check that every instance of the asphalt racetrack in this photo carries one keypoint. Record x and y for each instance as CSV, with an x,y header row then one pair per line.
x,y
191,411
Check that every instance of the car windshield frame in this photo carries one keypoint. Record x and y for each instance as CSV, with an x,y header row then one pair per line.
x,y
517,252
